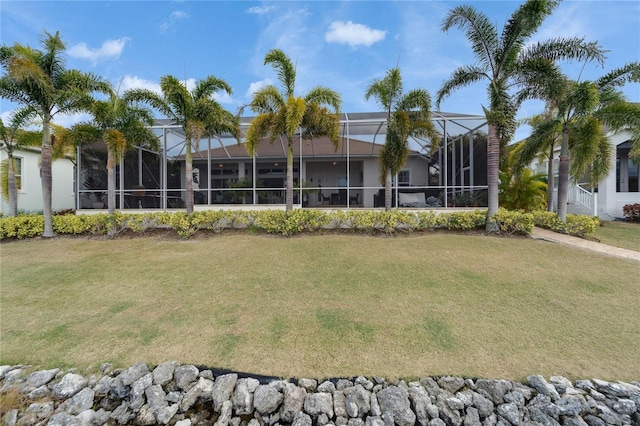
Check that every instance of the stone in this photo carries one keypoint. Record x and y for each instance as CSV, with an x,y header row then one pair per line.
x,y
607,415
466,397
540,384
515,397
301,419
538,415
80,402
63,419
309,385
624,406
222,389
119,389
437,422
323,419
318,403
326,387
495,389
133,373
186,422
165,414
15,374
339,404
11,417
484,405
395,401
375,406
103,386
185,375
360,397
355,422
574,421
351,407
207,374
420,400
163,373
366,383
592,420
145,416
455,404
510,412
343,384
472,417
568,406
155,399
451,384
40,378
41,409
374,421
122,414
70,384
40,393
226,410
243,396
293,402
266,399
137,391
203,387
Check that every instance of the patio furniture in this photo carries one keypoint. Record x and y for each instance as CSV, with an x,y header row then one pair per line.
x,y
354,199
326,198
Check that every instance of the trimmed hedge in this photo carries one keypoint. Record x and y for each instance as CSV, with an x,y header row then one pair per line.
x,y
631,212
270,221
577,225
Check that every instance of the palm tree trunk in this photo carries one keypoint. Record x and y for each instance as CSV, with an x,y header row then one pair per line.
x,y
387,190
46,176
493,167
111,183
188,178
563,176
550,179
289,183
12,187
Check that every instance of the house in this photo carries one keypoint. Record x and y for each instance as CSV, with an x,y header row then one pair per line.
x,y
27,161
606,200
323,176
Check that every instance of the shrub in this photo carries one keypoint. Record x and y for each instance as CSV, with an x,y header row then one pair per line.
x,y
631,212
577,225
513,222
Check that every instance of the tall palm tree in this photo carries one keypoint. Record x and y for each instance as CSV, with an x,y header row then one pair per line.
x,y
119,124
508,63
196,111
15,137
282,114
39,79
585,111
408,114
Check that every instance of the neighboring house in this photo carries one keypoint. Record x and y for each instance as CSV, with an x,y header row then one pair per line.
x,y
30,184
225,174
606,200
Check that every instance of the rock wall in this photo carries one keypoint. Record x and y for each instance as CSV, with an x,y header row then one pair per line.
x,y
183,395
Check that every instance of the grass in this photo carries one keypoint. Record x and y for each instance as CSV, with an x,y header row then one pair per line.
x,y
323,306
619,234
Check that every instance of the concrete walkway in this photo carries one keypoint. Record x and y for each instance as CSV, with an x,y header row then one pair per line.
x,y
555,237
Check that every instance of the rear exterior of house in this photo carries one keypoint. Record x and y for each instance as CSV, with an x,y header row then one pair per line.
x,y
27,161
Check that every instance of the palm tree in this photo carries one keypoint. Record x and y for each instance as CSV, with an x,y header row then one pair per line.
x,y
38,79
15,137
509,63
196,111
119,124
282,114
520,188
585,111
408,114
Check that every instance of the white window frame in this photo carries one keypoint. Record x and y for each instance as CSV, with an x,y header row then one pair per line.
x,y
403,182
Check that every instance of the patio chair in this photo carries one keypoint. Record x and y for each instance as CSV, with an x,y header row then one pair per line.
x,y
355,199
325,198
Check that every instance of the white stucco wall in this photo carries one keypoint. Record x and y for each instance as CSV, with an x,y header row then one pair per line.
x,y
30,195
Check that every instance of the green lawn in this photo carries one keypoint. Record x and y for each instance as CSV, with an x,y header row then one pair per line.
x,y
619,234
323,306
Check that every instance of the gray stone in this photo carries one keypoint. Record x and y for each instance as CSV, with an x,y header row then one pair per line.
x,y
119,389
433,411
309,385
574,421
69,385
226,410
515,397
203,387
41,409
11,417
510,412
472,417
607,415
222,389
253,422
624,406
451,384
122,414
173,397
495,389
450,417
163,373
15,374
80,402
538,415
103,386
361,398
318,403
491,420
155,399
39,378
301,419
568,406
355,422
560,380
466,397
540,384
207,374
366,383
266,399
165,414
343,384
40,393
592,420
186,422
133,373
437,422
137,391
374,421
351,407
63,419
293,402
145,416
484,405
375,407
323,419
243,396
4,369
395,400
420,400
388,419
185,375
339,404
326,387
455,403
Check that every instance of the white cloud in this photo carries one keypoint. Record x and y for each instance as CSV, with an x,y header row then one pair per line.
x,y
110,49
260,10
177,15
257,85
134,82
353,34
68,120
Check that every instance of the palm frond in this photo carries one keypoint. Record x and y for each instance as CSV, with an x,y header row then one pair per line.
x,y
324,96
266,100
207,87
285,69
260,127
461,77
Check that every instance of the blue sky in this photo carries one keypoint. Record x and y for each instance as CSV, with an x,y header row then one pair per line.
x,y
342,45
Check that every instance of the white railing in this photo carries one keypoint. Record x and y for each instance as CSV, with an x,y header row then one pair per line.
x,y
585,198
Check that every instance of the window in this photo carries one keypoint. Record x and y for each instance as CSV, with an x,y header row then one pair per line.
x,y
404,178
17,170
